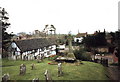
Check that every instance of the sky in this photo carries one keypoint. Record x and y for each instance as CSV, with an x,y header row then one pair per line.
x,y
65,15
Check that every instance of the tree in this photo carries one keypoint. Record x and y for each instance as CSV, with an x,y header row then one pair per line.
x,y
6,37
117,39
95,40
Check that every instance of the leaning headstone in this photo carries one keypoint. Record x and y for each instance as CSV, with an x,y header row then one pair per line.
x,y
33,66
35,80
22,69
48,77
5,77
60,69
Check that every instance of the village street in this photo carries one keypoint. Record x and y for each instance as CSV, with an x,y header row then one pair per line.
x,y
114,72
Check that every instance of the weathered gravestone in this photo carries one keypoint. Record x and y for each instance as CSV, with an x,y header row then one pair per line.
x,y
33,66
35,80
60,73
5,77
22,69
48,77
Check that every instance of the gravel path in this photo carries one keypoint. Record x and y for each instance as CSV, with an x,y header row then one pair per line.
x,y
114,72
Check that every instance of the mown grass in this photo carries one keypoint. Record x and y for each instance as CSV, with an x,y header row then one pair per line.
x,y
87,71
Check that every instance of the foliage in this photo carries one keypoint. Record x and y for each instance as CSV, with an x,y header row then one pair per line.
x,y
82,55
95,40
21,34
86,71
60,41
5,36
114,64
53,57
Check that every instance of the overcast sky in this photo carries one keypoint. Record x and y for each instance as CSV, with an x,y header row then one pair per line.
x,y
65,15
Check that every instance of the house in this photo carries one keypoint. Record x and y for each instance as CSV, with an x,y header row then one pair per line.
x,y
78,38
102,49
32,48
61,46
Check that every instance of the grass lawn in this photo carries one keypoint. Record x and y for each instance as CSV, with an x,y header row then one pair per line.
x,y
87,71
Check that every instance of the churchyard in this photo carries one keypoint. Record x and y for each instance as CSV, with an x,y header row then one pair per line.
x,y
70,71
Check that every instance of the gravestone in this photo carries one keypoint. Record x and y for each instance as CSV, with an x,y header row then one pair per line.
x,y
60,73
5,77
22,69
35,80
48,77
33,66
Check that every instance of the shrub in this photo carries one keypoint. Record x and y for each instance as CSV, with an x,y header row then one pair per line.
x,y
81,54
52,57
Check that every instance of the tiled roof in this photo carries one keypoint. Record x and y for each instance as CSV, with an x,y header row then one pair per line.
x,y
81,35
